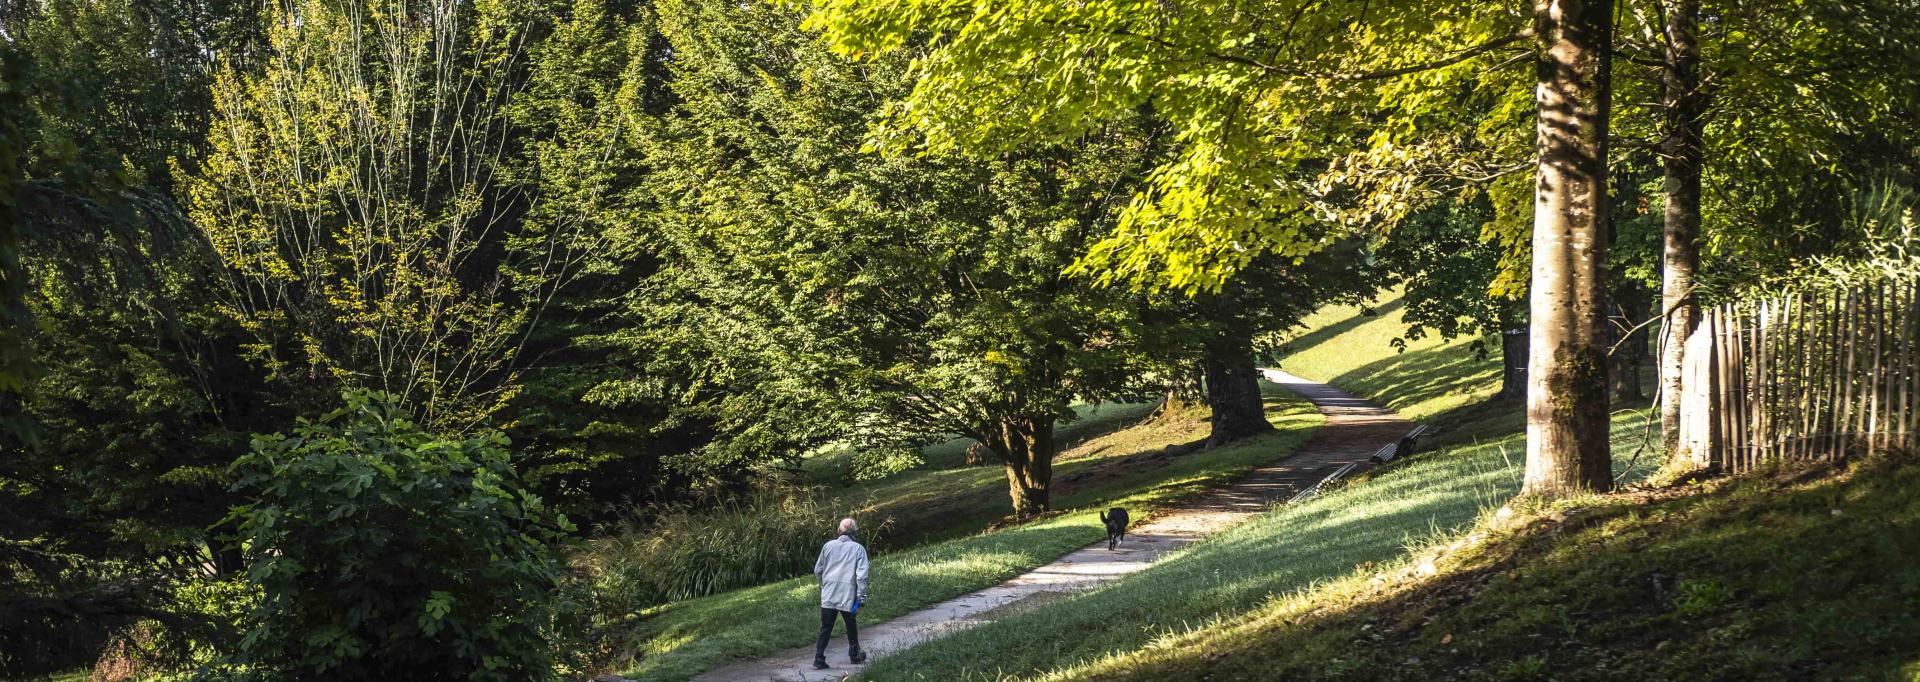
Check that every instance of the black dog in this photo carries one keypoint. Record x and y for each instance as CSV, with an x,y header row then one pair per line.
x,y
1116,520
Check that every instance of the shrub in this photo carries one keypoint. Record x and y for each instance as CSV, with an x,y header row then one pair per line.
x,y
381,551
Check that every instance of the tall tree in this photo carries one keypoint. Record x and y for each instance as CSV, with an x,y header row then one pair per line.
x,y
888,300
1567,446
360,190
1682,154
1257,91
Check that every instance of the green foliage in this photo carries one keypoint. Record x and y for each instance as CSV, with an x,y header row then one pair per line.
x,y
1696,596
361,194
1879,241
1259,98
835,294
880,462
133,406
124,86
15,365
1449,269
698,548
381,549
595,403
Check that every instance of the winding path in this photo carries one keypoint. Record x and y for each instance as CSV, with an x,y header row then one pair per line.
x,y
1354,430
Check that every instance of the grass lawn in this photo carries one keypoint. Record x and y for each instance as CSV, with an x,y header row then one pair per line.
x,y
1287,556
1799,575
944,498
1367,523
680,640
1343,346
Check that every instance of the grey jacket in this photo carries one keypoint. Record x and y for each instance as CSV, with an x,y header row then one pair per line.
x,y
842,568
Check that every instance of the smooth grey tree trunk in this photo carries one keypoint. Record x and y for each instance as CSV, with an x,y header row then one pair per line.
x,y
1683,153
1567,448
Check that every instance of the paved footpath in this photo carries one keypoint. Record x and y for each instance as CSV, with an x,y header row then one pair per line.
x,y
1354,430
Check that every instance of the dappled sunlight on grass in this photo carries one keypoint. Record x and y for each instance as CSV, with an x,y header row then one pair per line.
x,y
972,562
1780,576
1288,553
1355,352
684,639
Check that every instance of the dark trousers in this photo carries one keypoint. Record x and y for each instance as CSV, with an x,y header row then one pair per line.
x,y
826,630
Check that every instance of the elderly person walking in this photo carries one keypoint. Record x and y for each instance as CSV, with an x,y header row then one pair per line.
x,y
842,568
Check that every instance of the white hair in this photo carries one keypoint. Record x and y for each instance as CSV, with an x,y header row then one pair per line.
x,y
847,526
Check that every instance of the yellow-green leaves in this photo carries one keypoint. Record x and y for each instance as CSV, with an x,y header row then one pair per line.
x,y
1258,97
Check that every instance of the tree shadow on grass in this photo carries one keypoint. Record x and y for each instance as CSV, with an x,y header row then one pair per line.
x,y
1229,573
682,639
1416,377
1324,334
1672,584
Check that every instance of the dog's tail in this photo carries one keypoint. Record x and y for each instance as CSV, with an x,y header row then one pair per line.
x,y
1103,517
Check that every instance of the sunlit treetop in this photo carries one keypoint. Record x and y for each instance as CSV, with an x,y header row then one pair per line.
x,y
1261,97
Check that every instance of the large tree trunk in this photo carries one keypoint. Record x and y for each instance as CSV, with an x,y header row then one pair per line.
x,y
1567,449
1026,445
1233,390
1683,152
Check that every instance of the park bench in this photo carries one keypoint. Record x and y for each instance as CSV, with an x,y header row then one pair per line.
x,y
1399,448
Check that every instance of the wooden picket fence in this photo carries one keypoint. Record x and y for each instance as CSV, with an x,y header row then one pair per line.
x,y
1806,375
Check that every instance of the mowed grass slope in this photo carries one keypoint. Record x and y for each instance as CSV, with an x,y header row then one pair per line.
x,y
1126,467
1799,575
1352,347
1376,520
943,498
1351,530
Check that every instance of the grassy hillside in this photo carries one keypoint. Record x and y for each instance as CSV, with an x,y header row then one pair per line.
x,y
1372,521
943,498
1239,573
1124,467
1352,347
1797,576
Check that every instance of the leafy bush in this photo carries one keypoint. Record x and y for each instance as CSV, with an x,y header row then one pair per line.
x,y
381,551
692,550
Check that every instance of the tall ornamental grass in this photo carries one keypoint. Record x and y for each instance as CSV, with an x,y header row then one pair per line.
x,y
701,548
